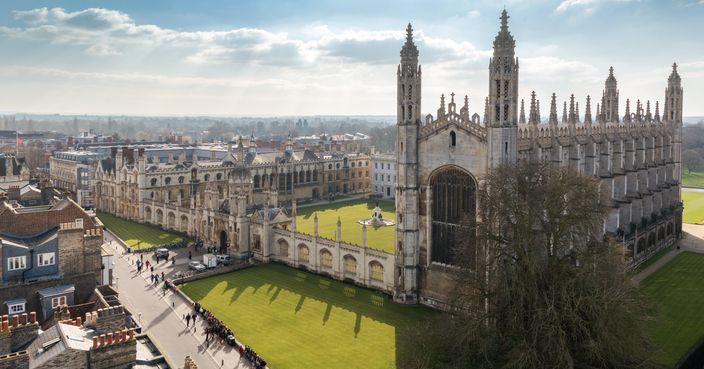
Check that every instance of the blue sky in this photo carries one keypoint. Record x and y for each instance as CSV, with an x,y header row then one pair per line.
x,y
331,57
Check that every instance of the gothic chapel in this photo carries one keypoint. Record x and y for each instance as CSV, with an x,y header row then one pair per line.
x,y
442,160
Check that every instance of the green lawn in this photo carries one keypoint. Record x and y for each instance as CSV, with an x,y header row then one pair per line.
x,y
296,319
694,179
350,212
135,234
678,291
693,207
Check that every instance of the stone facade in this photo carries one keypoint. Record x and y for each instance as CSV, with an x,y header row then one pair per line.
x,y
442,161
384,175
200,197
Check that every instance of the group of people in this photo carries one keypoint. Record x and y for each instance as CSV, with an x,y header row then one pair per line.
x,y
217,329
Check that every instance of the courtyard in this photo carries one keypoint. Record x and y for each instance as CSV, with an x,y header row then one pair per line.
x,y
678,294
296,319
137,235
693,206
350,212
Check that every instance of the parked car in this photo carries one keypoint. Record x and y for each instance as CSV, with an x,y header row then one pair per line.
x,y
196,266
224,259
162,253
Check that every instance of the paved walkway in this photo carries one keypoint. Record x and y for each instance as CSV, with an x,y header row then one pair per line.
x,y
693,241
161,315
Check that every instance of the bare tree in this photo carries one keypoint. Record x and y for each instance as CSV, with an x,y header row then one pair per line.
x,y
692,159
539,287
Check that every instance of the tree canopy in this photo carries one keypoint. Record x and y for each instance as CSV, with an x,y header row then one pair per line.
x,y
539,286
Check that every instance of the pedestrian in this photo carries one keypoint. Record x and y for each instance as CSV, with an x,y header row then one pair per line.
x,y
162,276
173,260
152,269
189,255
194,318
188,320
141,257
156,281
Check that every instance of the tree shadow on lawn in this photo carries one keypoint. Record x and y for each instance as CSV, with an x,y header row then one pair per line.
x,y
362,302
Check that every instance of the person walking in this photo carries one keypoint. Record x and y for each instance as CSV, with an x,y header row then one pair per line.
x,y
162,276
152,269
194,318
141,257
189,255
188,320
173,260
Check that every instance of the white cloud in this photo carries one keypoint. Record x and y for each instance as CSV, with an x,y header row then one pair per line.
x,y
587,6
104,32
102,50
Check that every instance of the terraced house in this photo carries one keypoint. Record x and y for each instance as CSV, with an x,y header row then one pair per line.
x,y
51,255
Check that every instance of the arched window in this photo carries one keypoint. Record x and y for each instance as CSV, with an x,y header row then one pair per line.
x,y
454,199
153,182
453,139
207,177
180,179
218,176
376,271
167,181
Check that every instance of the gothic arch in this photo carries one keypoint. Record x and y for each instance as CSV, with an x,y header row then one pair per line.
x,y
171,220
159,217
184,223
454,200
376,271
325,258
350,264
148,214
303,253
283,248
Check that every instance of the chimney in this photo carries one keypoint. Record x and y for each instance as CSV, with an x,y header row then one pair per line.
x,y
95,342
33,317
102,340
110,338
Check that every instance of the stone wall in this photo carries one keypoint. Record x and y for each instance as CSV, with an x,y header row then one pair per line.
x,y
16,360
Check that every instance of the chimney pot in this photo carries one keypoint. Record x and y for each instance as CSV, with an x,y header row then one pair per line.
x,y
95,341
102,340
15,320
5,326
23,318
33,317
110,338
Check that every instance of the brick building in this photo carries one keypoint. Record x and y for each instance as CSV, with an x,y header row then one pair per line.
x,y
101,341
50,256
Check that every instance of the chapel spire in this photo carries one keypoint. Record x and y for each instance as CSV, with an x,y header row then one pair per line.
x,y
522,119
552,121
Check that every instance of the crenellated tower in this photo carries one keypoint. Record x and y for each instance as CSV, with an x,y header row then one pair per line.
x,y
503,98
407,195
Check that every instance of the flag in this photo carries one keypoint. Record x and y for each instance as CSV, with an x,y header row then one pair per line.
x,y
19,139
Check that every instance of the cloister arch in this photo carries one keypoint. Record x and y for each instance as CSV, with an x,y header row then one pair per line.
x,y
303,253
283,248
376,271
325,258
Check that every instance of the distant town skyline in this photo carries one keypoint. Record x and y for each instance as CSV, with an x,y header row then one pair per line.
x,y
269,58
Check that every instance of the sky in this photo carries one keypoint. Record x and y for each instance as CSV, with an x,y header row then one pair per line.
x,y
331,57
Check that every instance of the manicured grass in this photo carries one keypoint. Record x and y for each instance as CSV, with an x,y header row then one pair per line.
x,y
137,235
678,291
350,212
693,207
296,319
694,179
